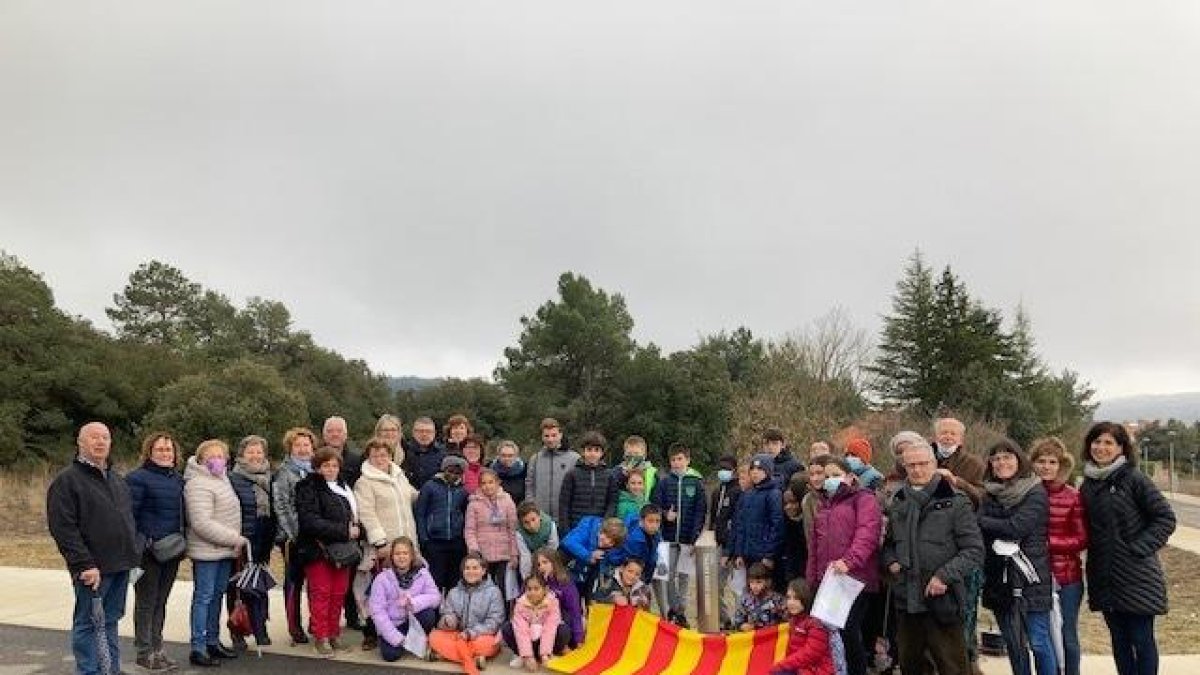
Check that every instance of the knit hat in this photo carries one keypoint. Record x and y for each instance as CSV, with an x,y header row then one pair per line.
x,y
727,462
763,461
860,448
451,462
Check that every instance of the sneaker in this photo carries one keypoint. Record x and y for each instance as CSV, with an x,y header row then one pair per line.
x,y
516,662
323,648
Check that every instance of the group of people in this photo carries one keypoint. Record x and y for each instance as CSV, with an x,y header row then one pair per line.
x,y
425,537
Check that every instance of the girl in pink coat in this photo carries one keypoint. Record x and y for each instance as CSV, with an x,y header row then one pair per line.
x,y
491,527
536,631
845,540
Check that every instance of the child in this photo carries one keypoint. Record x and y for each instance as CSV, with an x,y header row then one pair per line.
x,y
550,569
594,548
440,513
808,650
625,586
472,612
812,497
643,538
491,526
732,481
858,456
537,530
631,499
635,460
760,606
758,523
682,498
589,489
399,594
794,557
536,631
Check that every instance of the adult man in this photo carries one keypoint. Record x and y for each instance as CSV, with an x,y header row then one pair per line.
x,y
931,545
548,468
785,464
335,435
423,457
965,471
90,517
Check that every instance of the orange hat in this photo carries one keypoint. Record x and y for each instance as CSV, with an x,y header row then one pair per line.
x,y
860,448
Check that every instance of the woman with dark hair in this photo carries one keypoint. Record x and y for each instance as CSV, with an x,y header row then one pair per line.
x,y
328,514
156,496
1017,585
251,481
1128,522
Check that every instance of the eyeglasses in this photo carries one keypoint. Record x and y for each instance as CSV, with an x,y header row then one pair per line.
x,y
911,465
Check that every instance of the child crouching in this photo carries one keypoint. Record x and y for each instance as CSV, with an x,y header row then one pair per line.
x,y
760,606
808,650
472,612
536,631
400,595
624,586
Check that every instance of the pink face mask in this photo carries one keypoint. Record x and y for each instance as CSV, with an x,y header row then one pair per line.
x,y
215,465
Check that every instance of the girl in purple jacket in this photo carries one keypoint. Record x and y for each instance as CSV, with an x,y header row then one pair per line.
x,y
404,591
845,540
550,568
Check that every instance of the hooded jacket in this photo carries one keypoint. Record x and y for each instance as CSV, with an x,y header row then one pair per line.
x,y
570,606
579,544
89,517
384,599
1066,532
422,463
536,624
930,532
758,522
512,478
441,510
544,479
156,497
385,504
638,544
214,514
720,512
786,465
588,490
476,610
1129,521
685,494
491,527
847,527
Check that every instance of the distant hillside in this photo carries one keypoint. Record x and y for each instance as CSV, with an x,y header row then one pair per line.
x,y
1184,407
412,383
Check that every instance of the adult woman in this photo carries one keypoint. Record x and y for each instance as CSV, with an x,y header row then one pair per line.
x,y
390,429
458,427
1067,535
215,539
1128,522
472,451
156,495
401,593
299,444
491,527
327,513
469,631
845,540
251,480
509,466
385,508
1017,584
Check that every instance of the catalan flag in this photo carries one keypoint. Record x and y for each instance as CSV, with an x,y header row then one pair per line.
x,y
627,641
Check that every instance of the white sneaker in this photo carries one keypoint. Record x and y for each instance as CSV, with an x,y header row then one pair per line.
x,y
516,662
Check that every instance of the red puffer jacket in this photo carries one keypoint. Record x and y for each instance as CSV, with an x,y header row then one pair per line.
x,y
1066,531
808,648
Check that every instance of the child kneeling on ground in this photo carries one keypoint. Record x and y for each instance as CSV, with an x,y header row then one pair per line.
x,y
536,631
400,594
472,612
809,651
624,586
760,606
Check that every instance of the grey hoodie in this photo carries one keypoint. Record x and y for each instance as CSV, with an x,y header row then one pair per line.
x,y
544,479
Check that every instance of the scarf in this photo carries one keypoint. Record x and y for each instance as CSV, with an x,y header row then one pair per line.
x,y
260,476
508,471
537,539
1010,492
405,579
1103,472
302,468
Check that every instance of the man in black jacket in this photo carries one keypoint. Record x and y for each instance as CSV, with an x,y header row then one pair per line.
x,y
423,457
90,517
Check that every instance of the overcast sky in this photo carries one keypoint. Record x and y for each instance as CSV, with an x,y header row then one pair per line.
x,y
411,177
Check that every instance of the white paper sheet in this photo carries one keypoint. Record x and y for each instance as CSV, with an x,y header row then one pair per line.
x,y
687,561
834,598
662,567
415,641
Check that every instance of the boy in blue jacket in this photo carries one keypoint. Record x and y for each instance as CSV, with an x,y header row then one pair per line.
x,y
758,522
681,496
440,513
594,548
644,537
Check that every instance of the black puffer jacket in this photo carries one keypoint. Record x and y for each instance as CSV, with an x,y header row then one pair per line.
x,y
1128,521
587,491
91,520
720,512
324,517
1024,524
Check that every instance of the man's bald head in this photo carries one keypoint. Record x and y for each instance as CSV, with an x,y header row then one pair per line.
x,y
94,442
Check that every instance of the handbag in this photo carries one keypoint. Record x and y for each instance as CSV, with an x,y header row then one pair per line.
x,y
239,621
168,548
343,553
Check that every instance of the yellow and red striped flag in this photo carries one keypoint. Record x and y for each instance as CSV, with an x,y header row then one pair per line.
x,y
627,641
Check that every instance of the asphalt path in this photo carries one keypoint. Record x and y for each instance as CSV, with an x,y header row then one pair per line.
x,y
36,651
1187,513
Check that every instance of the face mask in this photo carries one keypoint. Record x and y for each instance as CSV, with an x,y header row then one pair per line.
x,y
944,451
724,475
634,460
832,484
855,463
215,466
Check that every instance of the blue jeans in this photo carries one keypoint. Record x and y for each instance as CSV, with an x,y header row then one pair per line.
x,y
113,588
1069,599
1037,630
1134,648
209,577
